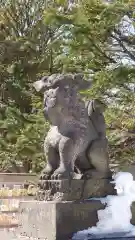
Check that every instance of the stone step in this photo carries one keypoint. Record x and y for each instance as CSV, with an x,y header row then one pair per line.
x,y
9,211
19,185
13,189
10,234
27,197
16,185
12,204
8,206
17,192
12,184
17,177
8,220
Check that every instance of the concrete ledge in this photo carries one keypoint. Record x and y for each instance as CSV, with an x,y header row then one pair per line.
x,y
111,238
17,177
56,220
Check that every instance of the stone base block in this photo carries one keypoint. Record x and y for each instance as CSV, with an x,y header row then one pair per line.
x,y
72,190
133,213
56,220
112,238
109,236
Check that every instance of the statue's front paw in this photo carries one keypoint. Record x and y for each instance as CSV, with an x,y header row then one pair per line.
x,y
87,175
46,174
61,174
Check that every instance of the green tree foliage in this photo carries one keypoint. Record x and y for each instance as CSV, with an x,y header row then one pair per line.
x,y
39,37
25,55
100,41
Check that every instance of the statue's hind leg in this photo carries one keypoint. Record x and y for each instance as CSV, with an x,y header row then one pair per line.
x,y
98,157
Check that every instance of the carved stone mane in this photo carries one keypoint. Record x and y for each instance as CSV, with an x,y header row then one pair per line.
x,y
71,103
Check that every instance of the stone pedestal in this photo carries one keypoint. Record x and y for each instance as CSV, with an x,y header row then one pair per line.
x,y
133,213
65,190
64,209
56,220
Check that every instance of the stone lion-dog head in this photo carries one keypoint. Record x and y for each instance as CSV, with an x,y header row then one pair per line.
x,y
61,95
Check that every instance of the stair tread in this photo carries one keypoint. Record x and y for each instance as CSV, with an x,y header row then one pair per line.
x,y
10,235
9,225
9,210
17,197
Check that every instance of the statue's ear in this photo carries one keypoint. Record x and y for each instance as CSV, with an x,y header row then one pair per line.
x,y
98,105
81,83
40,84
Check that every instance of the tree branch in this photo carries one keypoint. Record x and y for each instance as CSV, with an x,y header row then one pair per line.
x,y
103,53
125,50
122,37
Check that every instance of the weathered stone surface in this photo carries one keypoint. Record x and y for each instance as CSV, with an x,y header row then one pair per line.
x,y
56,220
106,236
133,213
76,141
115,238
65,190
111,238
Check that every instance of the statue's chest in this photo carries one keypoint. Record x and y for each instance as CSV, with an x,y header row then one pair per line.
x,y
54,136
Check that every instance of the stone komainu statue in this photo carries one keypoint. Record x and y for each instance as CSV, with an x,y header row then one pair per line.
x,y
76,141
